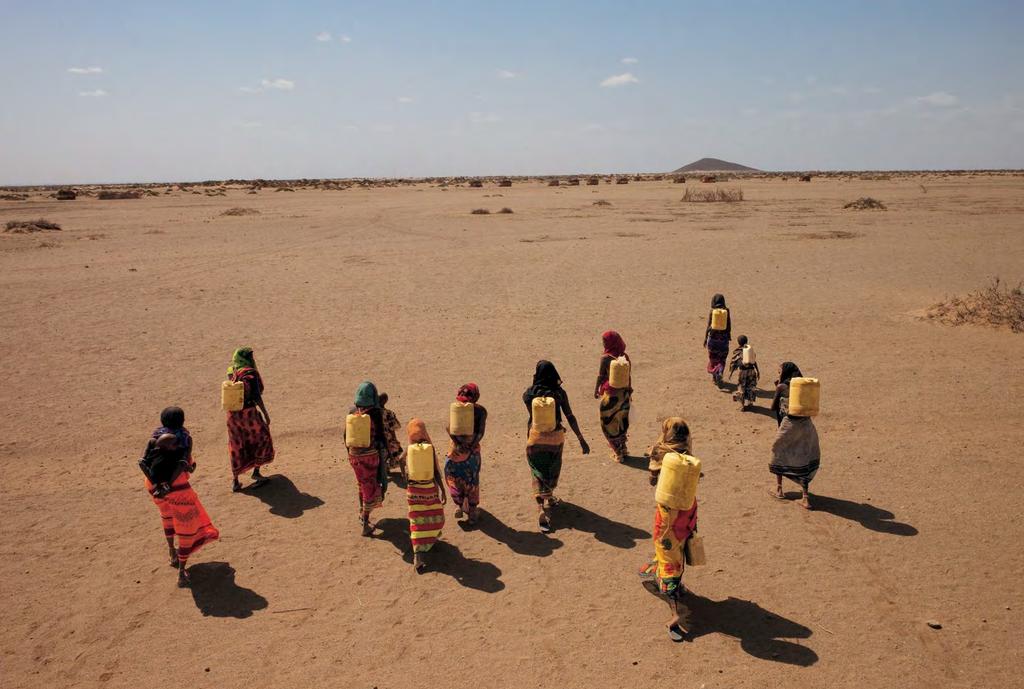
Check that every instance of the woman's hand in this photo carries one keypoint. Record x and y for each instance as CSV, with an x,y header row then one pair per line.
x,y
584,447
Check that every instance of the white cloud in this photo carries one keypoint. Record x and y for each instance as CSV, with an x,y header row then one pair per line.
x,y
323,36
97,93
344,38
406,99
939,99
279,84
619,80
507,74
86,70
630,60
250,89
483,118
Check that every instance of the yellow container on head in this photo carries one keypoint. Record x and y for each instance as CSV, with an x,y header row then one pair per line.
x,y
543,414
419,461
719,319
357,430
804,397
232,395
677,482
460,418
618,373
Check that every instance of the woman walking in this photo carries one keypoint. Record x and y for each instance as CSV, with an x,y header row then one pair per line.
x,y
462,465
249,441
796,455
544,445
672,528
369,461
780,402
615,401
717,336
675,437
425,493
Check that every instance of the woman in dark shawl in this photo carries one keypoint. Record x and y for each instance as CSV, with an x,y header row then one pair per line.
x,y
717,341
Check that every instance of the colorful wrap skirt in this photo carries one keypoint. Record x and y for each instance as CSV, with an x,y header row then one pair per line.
x,y
544,455
426,515
249,441
184,518
463,479
366,465
615,417
672,528
718,352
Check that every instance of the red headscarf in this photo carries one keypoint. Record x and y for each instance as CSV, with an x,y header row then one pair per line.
x,y
469,392
614,345
418,432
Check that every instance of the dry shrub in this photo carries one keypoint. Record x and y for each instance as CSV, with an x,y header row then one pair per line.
x,y
506,210
716,195
241,211
480,211
110,195
602,202
593,181
865,203
13,197
505,183
553,183
27,226
284,189
996,306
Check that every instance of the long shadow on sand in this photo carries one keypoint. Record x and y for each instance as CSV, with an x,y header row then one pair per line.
x,y
761,633
570,516
444,558
865,514
283,497
217,595
519,542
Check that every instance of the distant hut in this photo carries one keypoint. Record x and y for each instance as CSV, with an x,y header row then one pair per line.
x,y
553,183
505,183
805,178
593,181
66,194
679,179
475,183
574,182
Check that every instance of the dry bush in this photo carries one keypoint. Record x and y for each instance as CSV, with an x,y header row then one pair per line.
x,y
622,180
27,226
506,210
553,183
865,203
241,211
805,178
716,195
476,184
593,181
997,306
505,183
13,197
602,202
66,195
111,195
284,189
480,211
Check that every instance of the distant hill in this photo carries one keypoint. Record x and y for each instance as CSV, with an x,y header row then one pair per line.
x,y
714,165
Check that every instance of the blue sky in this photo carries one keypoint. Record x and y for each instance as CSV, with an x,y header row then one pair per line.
x,y
146,91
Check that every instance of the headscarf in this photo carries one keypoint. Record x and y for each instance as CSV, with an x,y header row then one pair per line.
x,y
242,358
788,372
366,395
470,392
614,345
418,432
675,437
718,301
546,381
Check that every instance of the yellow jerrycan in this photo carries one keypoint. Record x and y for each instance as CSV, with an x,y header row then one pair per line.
x,y
748,356
543,414
232,395
677,482
804,396
460,418
719,319
618,373
419,461
357,430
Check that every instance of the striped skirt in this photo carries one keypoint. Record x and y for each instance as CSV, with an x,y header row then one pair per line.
x,y
184,518
426,515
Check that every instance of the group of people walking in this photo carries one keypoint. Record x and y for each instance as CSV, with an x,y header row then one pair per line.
x,y
374,450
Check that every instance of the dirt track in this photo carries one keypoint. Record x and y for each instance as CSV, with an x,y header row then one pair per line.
x,y
138,304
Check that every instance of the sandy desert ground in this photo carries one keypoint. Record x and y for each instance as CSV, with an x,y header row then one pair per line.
x,y
138,304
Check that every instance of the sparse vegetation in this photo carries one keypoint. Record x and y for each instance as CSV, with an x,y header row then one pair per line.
x,y
13,197
865,203
241,211
996,306
602,202
480,211
716,195
111,195
27,226
506,210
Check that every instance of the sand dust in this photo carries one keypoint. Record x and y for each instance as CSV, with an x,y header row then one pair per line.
x,y
918,496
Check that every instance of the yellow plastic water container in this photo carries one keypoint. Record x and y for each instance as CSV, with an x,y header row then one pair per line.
x,y
618,373
677,482
357,430
543,414
419,461
719,319
804,396
232,395
460,418
748,356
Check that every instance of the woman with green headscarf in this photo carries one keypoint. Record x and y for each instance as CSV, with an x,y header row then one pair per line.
x,y
369,463
249,441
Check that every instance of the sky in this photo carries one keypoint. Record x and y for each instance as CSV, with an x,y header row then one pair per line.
x,y
173,91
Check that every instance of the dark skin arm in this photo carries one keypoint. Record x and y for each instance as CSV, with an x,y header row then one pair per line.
x,y
438,482
602,376
571,420
479,429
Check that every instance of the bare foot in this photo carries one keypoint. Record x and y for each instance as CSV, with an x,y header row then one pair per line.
x,y
545,522
236,486
805,502
418,563
367,529
458,513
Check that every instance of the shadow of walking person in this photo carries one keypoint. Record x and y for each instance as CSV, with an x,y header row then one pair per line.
x,y
444,558
570,516
519,542
761,633
217,595
284,498
865,514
